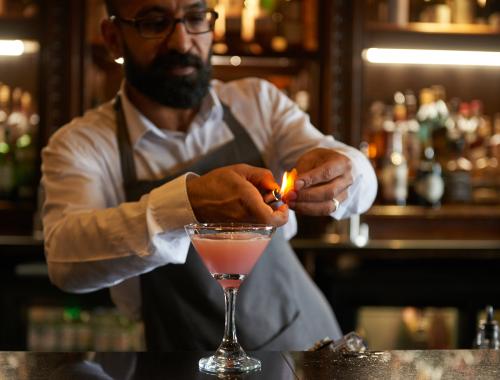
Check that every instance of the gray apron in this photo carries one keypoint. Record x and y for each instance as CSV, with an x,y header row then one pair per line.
x,y
278,306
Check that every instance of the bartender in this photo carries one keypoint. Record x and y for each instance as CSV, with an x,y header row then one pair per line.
x,y
176,147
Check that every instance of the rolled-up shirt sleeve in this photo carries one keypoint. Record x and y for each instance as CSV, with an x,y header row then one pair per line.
x,y
90,245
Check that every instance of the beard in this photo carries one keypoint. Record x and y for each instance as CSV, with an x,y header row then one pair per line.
x,y
176,91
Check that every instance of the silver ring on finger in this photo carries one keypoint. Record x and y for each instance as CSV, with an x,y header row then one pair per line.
x,y
336,204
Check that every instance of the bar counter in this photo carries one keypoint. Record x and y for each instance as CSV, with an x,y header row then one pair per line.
x,y
436,365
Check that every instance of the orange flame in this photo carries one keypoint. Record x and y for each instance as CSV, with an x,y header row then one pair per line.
x,y
288,182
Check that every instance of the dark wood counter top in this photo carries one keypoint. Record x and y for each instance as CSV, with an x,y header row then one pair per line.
x,y
442,365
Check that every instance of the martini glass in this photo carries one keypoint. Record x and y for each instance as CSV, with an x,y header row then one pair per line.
x,y
229,252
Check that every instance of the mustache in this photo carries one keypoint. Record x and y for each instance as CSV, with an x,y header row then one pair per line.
x,y
173,58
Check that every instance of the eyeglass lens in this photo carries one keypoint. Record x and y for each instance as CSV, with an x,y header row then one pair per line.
x,y
195,22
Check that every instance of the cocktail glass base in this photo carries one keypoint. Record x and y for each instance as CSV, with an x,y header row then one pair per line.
x,y
221,364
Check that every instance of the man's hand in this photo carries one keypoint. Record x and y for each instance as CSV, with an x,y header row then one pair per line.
x,y
323,174
234,194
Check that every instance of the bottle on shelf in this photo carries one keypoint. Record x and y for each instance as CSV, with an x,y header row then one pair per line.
x,y
493,13
427,114
486,171
438,138
399,12
17,120
436,11
25,150
289,28
477,141
394,171
463,11
375,134
429,183
412,143
7,180
487,332
458,182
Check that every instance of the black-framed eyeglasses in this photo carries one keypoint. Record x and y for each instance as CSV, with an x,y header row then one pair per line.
x,y
195,22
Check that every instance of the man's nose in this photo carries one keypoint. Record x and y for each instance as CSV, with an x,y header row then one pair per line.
x,y
179,39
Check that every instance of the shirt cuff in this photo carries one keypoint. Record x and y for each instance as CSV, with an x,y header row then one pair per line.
x,y
169,207
168,211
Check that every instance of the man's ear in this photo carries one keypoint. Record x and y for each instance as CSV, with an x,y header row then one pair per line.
x,y
112,38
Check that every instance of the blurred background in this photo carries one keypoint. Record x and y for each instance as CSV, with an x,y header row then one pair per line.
x,y
414,84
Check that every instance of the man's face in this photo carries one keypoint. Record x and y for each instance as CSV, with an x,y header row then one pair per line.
x,y
173,70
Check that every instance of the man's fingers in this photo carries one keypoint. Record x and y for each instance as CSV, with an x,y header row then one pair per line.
x,y
324,192
260,212
322,174
261,178
320,208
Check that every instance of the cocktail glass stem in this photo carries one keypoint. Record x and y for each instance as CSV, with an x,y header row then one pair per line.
x,y
229,357
230,343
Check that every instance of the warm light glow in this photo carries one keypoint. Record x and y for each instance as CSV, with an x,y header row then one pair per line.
x,y
235,60
249,14
288,182
432,57
220,23
11,47
120,60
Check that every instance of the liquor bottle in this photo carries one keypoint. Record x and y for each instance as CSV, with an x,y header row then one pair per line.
x,y
438,139
493,13
399,12
477,141
437,11
288,17
429,183
7,182
412,143
458,183
17,120
487,332
25,150
482,11
394,171
427,114
463,12
485,158
375,134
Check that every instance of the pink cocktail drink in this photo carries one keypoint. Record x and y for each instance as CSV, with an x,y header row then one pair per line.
x,y
230,256
229,251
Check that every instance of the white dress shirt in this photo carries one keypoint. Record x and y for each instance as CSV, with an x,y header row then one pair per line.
x,y
94,239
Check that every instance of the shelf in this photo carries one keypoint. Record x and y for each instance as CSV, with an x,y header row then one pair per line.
x,y
444,212
425,248
450,222
432,36
435,28
289,54
258,62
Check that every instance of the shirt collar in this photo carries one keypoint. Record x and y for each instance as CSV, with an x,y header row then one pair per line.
x,y
139,125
